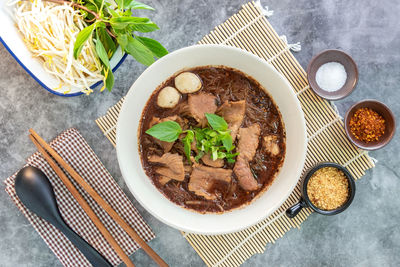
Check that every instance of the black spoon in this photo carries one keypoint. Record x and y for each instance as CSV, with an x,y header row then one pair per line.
x,y
34,190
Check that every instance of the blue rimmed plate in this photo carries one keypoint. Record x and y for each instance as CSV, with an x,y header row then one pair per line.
x,y
12,41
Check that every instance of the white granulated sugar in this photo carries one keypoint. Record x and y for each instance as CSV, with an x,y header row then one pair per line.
x,y
331,76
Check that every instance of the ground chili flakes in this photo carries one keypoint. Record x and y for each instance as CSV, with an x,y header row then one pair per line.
x,y
367,125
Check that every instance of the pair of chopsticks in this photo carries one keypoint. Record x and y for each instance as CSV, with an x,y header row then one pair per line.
x,y
49,153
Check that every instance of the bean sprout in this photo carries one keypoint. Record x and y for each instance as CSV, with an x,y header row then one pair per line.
x,y
49,31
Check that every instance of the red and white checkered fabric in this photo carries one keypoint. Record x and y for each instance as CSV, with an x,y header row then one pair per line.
x,y
71,146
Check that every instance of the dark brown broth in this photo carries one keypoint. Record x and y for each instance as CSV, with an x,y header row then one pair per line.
x,y
226,84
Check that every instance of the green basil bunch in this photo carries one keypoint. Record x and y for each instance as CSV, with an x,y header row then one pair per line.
x,y
111,24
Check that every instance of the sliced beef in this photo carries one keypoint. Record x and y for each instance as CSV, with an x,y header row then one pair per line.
x,y
233,113
166,146
203,180
244,175
248,143
207,159
199,105
271,144
163,180
170,166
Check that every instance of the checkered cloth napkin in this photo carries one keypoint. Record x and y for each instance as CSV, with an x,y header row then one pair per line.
x,y
71,146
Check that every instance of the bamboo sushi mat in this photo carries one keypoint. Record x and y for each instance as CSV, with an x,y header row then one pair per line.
x,y
251,31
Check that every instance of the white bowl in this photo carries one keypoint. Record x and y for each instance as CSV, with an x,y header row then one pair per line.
x,y
149,196
12,41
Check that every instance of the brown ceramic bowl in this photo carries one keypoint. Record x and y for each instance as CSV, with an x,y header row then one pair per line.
x,y
384,111
333,56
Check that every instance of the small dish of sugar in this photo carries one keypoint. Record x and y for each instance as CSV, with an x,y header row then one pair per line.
x,y
332,74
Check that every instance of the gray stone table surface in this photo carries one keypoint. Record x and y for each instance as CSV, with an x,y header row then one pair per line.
x,y
367,234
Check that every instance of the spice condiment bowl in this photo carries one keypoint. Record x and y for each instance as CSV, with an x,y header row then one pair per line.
x,y
381,109
327,56
305,200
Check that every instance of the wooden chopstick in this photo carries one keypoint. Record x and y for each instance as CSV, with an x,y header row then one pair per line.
x,y
113,214
103,230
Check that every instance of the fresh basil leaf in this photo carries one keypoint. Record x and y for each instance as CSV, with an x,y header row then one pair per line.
x,y
187,142
100,25
167,131
120,3
101,53
97,3
93,5
216,122
136,5
140,52
112,12
81,38
107,41
144,27
155,47
230,160
87,15
110,80
123,22
227,142
123,41
127,13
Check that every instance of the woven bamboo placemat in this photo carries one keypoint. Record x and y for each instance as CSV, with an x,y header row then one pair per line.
x,y
327,141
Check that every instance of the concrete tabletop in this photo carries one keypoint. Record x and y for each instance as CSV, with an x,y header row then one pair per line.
x,y
367,234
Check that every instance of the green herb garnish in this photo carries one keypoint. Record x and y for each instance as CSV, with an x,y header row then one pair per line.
x,y
167,131
111,23
215,140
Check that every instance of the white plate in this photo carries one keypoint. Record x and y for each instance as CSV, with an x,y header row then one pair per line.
x,y
127,140
12,40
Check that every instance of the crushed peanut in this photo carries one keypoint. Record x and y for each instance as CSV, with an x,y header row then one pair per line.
x,y
328,188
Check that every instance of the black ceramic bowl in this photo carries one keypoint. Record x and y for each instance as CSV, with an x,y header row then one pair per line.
x,y
305,200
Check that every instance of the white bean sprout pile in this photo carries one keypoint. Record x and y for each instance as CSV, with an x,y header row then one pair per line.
x,y
49,31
